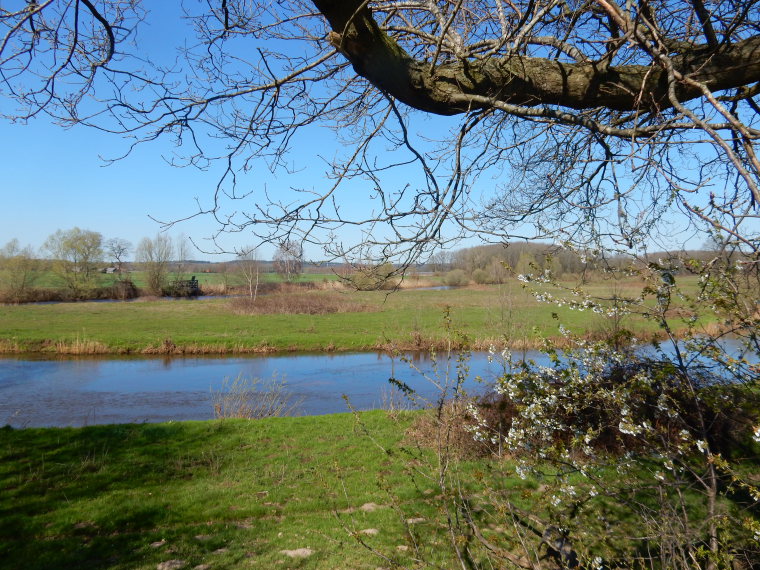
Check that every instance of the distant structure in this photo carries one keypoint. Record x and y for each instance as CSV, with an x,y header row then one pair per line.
x,y
185,287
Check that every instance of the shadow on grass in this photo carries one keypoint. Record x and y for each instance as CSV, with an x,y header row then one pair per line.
x,y
103,496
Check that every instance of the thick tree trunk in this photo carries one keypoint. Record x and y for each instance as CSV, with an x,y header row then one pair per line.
x,y
527,81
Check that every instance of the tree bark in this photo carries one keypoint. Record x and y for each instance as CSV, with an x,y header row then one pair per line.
x,y
528,81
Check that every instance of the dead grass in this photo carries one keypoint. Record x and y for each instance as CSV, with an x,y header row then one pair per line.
x,y
254,398
445,430
297,302
80,346
10,346
168,347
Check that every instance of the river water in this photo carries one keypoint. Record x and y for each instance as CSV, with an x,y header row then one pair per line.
x,y
86,391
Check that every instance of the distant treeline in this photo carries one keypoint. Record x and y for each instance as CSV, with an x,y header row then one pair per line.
x,y
495,263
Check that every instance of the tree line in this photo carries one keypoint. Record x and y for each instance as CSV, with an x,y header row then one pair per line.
x,y
78,257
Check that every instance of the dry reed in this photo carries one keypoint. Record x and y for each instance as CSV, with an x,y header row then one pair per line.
x,y
254,398
297,302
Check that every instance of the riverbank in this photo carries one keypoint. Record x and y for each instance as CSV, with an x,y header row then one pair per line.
x,y
407,320
226,493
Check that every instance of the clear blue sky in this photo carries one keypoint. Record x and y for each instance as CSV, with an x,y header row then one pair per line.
x,y
54,178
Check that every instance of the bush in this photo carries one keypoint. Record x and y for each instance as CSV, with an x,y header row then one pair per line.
x,y
373,278
481,277
123,290
456,278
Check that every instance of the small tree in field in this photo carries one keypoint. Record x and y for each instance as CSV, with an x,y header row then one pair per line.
x,y
249,267
74,255
288,260
18,270
154,256
181,255
117,250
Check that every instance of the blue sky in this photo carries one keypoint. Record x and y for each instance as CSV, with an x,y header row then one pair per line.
x,y
55,178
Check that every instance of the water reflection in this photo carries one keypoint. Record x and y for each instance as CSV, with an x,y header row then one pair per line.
x,y
82,391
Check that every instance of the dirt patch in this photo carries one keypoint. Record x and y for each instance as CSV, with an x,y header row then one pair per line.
x,y
298,553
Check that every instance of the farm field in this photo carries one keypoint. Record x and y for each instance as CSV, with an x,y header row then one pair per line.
x,y
332,320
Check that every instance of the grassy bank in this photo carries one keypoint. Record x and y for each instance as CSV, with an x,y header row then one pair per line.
x,y
228,493
408,319
219,494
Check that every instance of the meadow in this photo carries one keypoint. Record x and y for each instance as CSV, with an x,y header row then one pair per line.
x,y
320,319
226,493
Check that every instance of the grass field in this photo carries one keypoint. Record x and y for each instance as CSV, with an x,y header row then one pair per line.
x,y
224,494
228,493
251,493
407,319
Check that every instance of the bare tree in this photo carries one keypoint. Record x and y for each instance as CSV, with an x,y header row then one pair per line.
x,y
592,122
250,268
117,250
288,260
154,256
75,253
181,254
18,270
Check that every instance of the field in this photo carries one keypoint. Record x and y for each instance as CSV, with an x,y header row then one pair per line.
x,y
408,319
228,493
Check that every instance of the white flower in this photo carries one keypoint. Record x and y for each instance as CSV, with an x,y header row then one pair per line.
x,y
629,428
702,445
756,435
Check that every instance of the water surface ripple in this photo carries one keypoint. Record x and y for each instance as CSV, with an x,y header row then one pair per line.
x,y
86,391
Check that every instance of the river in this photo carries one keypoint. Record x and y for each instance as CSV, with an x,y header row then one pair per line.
x,y
87,391
79,391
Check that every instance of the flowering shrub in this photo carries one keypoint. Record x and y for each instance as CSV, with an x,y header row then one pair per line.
x,y
615,455
666,439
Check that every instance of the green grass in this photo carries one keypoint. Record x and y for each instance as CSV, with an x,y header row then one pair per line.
x,y
407,319
236,493
229,493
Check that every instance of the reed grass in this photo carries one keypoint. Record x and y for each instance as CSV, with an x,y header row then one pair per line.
x,y
254,398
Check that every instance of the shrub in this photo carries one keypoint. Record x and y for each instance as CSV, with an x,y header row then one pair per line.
x,y
124,290
481,277
373,278
456,278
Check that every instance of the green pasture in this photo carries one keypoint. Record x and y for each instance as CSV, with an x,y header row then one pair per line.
x,y
227,493
232,493
498,314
